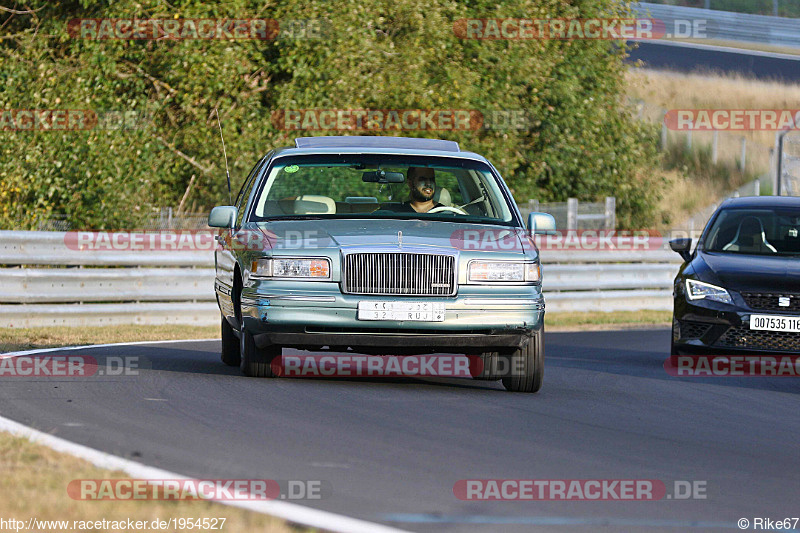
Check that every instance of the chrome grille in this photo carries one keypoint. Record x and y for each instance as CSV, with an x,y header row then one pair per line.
x,y
410,274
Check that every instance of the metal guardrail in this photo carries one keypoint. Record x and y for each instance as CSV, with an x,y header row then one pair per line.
x,y
123,287
725,25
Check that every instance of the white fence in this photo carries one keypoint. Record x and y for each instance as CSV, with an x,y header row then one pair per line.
x,y
573,215
44,282
724,25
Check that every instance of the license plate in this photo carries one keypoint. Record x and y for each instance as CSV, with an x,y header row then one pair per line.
x,y
414,311
775,323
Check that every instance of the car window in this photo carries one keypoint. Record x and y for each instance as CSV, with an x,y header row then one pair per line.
x,y
412,188
244,192
762,231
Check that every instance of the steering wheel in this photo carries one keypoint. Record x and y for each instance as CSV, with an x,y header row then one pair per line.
x,y
448,208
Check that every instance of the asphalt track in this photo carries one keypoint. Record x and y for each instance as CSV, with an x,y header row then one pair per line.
x,y
685,57
390,451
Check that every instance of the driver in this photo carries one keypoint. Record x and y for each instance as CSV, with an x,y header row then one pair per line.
x,y
422,186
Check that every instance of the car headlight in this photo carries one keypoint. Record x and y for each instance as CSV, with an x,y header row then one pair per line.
x,y
291,267
699,290
500,271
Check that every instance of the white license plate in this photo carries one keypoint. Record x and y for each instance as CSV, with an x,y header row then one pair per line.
x,y
775,323
415,311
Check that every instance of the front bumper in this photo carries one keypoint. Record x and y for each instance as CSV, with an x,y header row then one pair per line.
x,y
710,327
474,321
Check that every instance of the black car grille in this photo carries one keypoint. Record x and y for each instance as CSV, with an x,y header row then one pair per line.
x,y
692,330
744,337
399,273
770,301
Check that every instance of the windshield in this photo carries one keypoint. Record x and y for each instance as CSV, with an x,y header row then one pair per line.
x,y
761,231
380,187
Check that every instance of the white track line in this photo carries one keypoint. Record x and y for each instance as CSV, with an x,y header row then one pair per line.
x,y
298,514
726,49
88,346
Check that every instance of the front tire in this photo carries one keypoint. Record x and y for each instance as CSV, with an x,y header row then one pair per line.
x,y
231,355
256,362
527,365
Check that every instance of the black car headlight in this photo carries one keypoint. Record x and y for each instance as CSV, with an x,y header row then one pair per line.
x,y
700,290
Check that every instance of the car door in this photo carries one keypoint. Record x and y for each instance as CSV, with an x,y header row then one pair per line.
x,y
226,250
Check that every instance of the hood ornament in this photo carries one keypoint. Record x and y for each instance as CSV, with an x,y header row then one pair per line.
x,y
399,239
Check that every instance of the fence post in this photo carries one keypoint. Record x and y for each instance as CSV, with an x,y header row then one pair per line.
x,y
533,205
757,187
714,146
572,213
611,213
744,153
777,167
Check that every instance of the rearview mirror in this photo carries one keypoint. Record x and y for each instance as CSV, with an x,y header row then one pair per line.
x,y
381,176
541,224
683,247
222,216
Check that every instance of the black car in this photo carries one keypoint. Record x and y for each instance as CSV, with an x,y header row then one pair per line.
x,y
739,291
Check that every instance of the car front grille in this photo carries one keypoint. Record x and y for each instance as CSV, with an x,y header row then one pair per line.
x,y
744,337
692,330
399,273
770,301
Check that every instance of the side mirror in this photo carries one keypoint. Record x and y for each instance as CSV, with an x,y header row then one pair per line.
x,y
541,224
222,216
683,247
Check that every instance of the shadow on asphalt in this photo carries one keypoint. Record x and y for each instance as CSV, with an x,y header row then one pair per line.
x,y
636,353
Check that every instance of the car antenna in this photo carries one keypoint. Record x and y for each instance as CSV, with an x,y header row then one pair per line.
x,y
227,172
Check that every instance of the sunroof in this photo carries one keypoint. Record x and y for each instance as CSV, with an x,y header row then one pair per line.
x,y
357,141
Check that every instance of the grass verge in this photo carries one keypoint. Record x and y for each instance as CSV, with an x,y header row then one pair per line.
x,y
15,339
584,321
688,178
34,479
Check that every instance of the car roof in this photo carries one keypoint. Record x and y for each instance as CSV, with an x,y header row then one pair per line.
x,y
355,145
761,201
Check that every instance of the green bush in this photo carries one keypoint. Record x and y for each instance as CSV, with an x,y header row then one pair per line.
x,y
375,54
